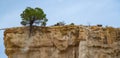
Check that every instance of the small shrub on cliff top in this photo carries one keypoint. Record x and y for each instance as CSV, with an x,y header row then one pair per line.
x,y
72,24
60,24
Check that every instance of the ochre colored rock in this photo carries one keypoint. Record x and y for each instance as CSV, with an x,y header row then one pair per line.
x,y
63,42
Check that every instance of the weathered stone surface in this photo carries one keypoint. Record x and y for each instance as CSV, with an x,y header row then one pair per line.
x,y
63,42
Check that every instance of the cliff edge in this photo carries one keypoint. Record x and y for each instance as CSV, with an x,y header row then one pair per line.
x,y
63,42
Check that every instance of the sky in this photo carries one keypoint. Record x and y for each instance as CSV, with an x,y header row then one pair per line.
x,y
105,12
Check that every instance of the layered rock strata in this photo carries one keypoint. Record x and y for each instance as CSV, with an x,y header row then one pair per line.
x,y
63,42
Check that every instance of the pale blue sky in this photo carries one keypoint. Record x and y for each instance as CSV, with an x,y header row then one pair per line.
x,y
106,12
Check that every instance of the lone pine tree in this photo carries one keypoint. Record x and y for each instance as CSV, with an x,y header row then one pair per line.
x,y
33,16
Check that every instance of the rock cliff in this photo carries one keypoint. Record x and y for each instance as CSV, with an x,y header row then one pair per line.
x,y
63,42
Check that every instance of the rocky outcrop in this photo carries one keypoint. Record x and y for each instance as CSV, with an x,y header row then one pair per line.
x,y
63,42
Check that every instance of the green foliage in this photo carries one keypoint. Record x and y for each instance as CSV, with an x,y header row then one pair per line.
x,y
44,22
72,24
32,16
60,23
24,23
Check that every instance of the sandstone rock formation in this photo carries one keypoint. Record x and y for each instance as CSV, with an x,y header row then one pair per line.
x,y
63,42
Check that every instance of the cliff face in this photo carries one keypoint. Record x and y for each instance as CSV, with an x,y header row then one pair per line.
x,y
63,42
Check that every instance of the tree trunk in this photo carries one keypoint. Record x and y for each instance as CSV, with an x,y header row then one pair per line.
x,y
31,27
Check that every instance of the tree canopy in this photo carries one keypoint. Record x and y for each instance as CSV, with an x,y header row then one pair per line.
x,y
34,16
